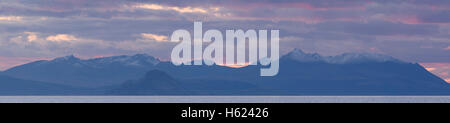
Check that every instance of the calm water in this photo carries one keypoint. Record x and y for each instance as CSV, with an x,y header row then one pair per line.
x,y
225,99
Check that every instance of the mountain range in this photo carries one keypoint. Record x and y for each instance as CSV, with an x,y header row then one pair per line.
x,y
73,71
300,73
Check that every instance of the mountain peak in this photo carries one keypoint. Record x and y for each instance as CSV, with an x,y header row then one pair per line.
x,y
296,50
130,60
67,58
144,59
301,56
141,55
361,57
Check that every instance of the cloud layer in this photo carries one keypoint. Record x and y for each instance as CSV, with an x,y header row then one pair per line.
x,y
412,30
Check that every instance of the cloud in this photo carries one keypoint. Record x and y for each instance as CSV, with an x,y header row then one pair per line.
x,y
439,69
380,28
430,68
150,6
8,62
187,9
448,48
10,18
440,17
32,36
38,44
61,37
444,74
158,38
410,12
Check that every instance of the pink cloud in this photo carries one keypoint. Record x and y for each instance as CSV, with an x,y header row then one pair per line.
x,y
410,19
302,5
8,62
444,74
405,20
439,69
448,48
312,7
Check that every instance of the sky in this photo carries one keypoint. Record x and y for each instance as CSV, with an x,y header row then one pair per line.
x,y
410,30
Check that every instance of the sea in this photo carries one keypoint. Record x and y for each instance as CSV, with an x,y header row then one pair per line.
x,y
224,99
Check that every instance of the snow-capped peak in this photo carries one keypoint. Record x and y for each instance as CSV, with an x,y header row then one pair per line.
x,y
135,60
139,60
345,58
301,56
66,58
144,58
360,57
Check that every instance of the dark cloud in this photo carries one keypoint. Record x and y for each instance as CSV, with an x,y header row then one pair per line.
x,y
380,28
437,17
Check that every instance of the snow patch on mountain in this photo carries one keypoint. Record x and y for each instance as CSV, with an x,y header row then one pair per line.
x,y
135,60
346,58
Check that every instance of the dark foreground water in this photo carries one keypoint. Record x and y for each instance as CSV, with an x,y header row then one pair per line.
x,y
225,99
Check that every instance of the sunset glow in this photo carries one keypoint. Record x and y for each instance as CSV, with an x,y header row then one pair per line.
x,y
439,69
235,65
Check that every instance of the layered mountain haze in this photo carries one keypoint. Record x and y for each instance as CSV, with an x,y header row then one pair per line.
x,y
300,74
154,82
14,86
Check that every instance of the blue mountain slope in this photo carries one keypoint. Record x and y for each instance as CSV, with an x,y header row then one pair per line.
x,y
17,87
157,82
366,78
154,82
73,71
311,74
297,78
300,73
